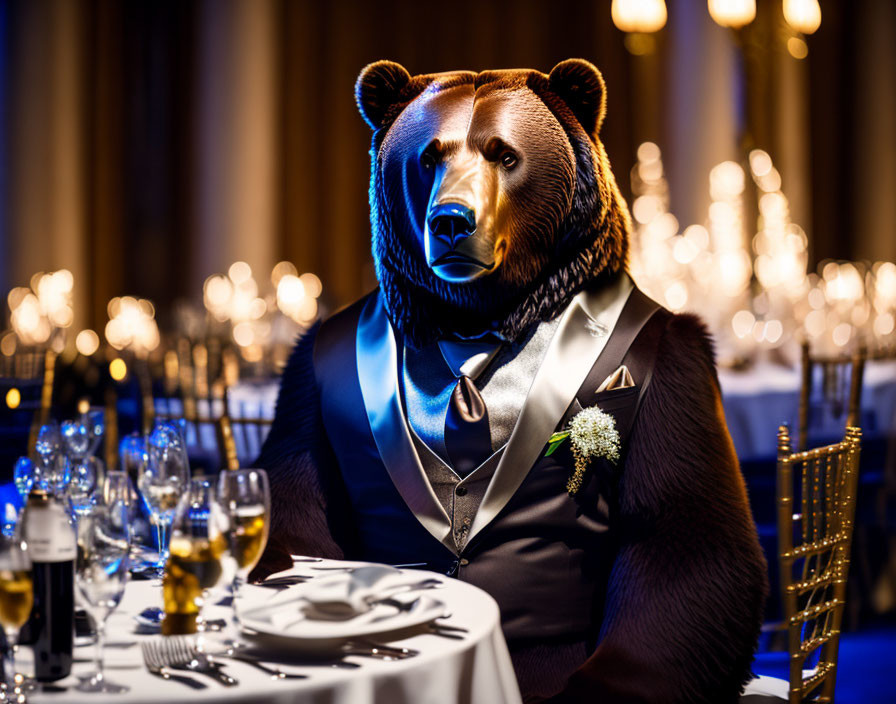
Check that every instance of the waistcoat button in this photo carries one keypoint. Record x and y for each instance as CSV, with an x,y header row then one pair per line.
x,y
461,491
464,562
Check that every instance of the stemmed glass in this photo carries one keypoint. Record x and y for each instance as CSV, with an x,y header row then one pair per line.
x,y
23,476
194,564
245,501
162,481
16,597
82,438
118,487
102,572
53,473
95,421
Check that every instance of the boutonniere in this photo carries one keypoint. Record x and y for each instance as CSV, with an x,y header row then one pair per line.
x,y
592,433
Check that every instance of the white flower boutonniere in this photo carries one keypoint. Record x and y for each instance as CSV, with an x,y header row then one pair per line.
x,y
593,434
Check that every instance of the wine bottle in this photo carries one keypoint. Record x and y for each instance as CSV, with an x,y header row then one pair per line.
x,y
50,535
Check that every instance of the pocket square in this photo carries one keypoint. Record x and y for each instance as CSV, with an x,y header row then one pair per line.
x,y
620,379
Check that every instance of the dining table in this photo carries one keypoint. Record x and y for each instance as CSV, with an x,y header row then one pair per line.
x,y
459,657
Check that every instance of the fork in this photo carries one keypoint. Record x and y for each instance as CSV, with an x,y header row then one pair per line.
x,y
157,666
182,655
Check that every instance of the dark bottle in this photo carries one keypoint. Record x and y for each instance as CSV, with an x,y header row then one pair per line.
x,y
52,546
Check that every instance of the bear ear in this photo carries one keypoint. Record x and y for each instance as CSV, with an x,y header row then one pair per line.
x,y
378,88
580,85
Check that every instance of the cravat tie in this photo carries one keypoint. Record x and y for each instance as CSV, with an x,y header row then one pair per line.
x,y
467,437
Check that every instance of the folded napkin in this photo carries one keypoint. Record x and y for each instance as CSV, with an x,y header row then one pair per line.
x,y
343,596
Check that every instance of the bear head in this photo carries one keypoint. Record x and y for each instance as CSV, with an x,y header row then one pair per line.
x,y
492,199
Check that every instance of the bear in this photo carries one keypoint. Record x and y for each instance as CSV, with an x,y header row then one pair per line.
x,y
500,242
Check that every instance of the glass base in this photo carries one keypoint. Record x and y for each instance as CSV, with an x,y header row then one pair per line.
x,y
98,683
17,695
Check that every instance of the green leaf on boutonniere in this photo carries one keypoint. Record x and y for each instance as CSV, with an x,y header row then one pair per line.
x,y
555,441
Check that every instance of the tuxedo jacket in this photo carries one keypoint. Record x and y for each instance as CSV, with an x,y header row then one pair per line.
x,y
645,585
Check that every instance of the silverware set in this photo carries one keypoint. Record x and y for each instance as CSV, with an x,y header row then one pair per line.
x,y
167,657
166,654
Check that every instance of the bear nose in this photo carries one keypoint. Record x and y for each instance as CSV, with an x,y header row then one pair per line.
x,y
452,223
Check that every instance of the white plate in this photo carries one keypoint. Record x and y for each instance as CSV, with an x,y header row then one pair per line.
x,y
289,622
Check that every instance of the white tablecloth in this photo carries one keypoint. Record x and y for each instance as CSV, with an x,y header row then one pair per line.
x,y
474,670
758,400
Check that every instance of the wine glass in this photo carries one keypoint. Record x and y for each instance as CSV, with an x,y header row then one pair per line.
x,y
77,440
53,471
133,455
95,421
16,597
102,572
85,479
49,442
194,562
162,481
23,476
245,500
119,487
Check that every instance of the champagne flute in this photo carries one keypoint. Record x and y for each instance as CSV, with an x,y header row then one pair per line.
x,y
194,563
162,482
245,500
16,598
102,572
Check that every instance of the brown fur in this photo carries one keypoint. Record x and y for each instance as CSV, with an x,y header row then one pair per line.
x,y
562,234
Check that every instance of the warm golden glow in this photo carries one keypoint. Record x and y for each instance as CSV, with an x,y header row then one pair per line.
x,y
281,269
797,48
638,15
132,325
13,398
87,342
118,370
312,284
803,15
733,13
239,272
8,344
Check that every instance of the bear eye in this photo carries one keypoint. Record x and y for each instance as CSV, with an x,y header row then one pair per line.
x,y
427,160
509,160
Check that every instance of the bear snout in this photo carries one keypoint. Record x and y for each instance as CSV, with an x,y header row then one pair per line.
x,y
452,223
456,249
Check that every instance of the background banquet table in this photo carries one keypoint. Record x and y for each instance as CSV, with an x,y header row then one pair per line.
x,y
756,402
473,670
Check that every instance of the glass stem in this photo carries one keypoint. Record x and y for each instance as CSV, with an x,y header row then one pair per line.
x,y
9,659
162,531
98,651
237,621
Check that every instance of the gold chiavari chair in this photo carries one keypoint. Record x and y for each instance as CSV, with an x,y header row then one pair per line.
x,y
835,391
27,378
251,429
816,509
195,383
186,387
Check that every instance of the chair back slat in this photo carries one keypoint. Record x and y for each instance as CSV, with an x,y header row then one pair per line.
x,y
839,391
193,382
814,547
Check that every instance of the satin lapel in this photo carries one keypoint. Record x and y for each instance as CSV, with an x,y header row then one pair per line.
x,y
579,339
376,354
